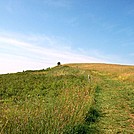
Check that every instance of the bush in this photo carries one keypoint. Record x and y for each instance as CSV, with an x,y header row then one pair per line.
x,y
81,129
92,115
77,129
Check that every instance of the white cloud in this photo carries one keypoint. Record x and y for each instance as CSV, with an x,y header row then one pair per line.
x,y
19,64
25,52
18,53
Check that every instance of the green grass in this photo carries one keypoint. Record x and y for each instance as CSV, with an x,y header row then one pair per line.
x,y
43,102
62,100
116,102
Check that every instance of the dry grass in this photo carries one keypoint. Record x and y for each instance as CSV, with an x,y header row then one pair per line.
x,y
112,68
68,97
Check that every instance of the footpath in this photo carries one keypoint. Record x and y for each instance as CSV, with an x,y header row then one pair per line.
x,y
115,101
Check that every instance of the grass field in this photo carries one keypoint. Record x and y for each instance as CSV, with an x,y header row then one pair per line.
x,y
63,100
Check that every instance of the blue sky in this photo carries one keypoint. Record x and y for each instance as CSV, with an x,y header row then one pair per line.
x,y
36,34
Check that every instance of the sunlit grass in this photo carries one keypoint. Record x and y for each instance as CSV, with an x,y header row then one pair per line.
x,y
63,100
47,103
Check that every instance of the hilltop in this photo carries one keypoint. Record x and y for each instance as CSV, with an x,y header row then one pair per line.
x,y
63,100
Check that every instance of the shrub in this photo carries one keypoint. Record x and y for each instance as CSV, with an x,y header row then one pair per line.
x,y
92,115
77,129
81,129
58,64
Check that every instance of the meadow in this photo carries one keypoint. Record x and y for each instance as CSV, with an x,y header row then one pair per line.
x,y
62,100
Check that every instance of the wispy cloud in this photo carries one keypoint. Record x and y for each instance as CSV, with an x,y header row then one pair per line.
x,y
42,51
19,53
22,52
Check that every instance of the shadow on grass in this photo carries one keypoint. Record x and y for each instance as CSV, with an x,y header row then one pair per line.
x,y
88,127
92,115
81,129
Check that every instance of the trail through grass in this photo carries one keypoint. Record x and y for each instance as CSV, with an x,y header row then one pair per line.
x,y
116,103
63,100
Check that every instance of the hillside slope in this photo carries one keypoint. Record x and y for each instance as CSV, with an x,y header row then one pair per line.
x,y
64,100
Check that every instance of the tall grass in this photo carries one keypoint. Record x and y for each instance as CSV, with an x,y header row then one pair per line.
x,y
63,100
44,103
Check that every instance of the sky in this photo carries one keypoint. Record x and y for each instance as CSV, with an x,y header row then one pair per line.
x,y
36,34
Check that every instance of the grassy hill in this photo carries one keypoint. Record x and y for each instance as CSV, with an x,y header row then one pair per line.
x,y
63,100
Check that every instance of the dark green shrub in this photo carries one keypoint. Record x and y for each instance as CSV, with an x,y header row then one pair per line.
x,y
97,90
92,115
77,129
48,69
81,129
